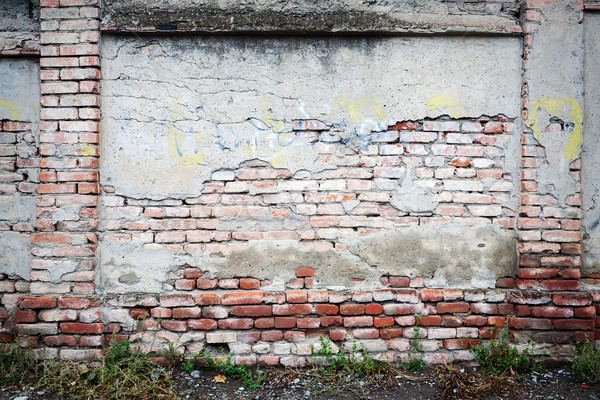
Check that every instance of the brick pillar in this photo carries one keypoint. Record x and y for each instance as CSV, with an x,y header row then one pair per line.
x,y
550,211
64,245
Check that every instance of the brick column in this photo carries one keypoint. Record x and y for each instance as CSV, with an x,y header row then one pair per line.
x,y
550,212
64,245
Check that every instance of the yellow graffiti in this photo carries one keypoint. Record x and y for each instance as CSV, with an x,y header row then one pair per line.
x,y
12,109
177,137
88,151
356,107
439,101
554,106
275,135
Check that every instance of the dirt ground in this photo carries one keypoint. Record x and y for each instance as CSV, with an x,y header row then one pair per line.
x,y
552,384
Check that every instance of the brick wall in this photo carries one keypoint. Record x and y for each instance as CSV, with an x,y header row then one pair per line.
x,y
464,161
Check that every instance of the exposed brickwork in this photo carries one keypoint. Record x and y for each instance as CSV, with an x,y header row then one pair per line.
x,y
449,157
69,119
462,162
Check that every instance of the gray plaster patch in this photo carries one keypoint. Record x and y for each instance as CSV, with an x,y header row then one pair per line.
x,y
453,255
591,147
129,268
186,107
412,199
277,260
17,208
554,76
314,16
20,94
15,254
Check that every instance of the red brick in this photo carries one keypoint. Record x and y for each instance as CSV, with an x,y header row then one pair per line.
x,y
202,324
529,323
271,336
373,309
206,284
192,273
185,284
25,316
231,299
331,321
451,308
573,324
557,285
187,312
60,340
337,335
352,309
400,309
390,333
292,309
38,302
6,338
177,300
264,323
175,326
252,311
475,320
433,295
351,322
429,320
249,284
585,312
139,313
51,238
308,323
303,272
78,328
399,281
538,273
574,299
552,312
294,336
285,322
326,309
505,283
297,296
206,299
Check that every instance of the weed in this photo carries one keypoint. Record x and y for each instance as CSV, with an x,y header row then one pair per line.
x,y
456,384
119,374
333,371
501,357
415,352
586,362
227,367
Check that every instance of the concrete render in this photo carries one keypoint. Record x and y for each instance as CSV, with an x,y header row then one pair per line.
x,y
591,149
185,107
450,256
555,82
314,16
15,254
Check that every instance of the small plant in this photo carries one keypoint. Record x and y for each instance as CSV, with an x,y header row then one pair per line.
x,y
228,368
586,362
500,356
415,352
456,384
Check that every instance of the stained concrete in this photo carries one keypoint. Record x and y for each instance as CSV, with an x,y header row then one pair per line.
x,y
17,208
184,107
449,256
20,89
313,16
19,15
555,81
591,148
15,254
